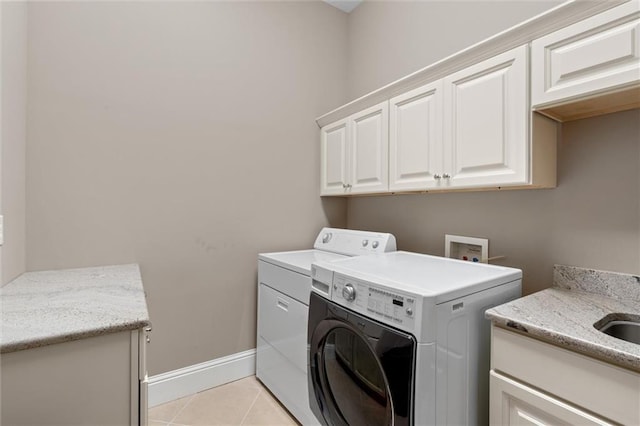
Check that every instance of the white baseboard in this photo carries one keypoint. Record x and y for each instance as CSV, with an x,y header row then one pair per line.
x,y
185,381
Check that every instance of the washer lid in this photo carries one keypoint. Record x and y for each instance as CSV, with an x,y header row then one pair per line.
x,y
433,277
299,261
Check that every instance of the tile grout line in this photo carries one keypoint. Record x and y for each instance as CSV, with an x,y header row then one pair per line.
x,y
164,422
182,409
250,407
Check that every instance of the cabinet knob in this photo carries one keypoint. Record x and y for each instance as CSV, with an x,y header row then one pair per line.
x,y
437,176
446,175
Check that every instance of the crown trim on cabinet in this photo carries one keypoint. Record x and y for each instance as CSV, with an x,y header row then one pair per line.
x,y
552,20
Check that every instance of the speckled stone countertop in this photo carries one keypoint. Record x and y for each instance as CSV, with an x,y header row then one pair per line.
x,y
43,308
565,314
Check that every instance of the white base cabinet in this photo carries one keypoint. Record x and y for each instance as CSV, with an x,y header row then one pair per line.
x,y
94,381
536,383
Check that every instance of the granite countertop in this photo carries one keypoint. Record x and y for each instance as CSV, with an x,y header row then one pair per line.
x,y
565,314
43,308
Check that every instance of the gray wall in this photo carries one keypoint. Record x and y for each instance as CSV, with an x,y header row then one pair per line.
x,y
181,136
14,126
592,219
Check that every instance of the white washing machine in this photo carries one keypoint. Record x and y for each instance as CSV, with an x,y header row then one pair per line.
x,y
284,285
401,339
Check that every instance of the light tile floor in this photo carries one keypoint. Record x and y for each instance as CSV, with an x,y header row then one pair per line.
x,y
244,402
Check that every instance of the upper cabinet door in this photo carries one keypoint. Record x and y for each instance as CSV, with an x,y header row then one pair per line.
x,y
415,139
599,53
333,158
486,123
369,150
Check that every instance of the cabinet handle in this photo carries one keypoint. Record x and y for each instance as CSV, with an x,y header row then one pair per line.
x,y
437,176
446,175
282,304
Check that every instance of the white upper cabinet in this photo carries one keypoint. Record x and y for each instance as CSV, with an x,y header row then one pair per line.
x,y
354,153
492,124
468,130
486,123
416,159
334,152
369,150
598,54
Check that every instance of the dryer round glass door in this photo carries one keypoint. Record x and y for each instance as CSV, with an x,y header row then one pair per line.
x,y
360,371
355,379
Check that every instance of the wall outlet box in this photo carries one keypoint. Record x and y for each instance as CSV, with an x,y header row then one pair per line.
x,y
466,248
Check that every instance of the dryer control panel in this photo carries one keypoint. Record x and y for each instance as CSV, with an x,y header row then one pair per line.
x,y
354,243
389,306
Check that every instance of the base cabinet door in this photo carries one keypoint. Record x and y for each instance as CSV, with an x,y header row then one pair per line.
x,y
513,403
487,123
558,380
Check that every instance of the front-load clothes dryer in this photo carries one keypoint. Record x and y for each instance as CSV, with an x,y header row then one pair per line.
x,y
401,339
284,285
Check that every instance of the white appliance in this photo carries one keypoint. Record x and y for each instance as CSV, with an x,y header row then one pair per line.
x,y
401,339
284,285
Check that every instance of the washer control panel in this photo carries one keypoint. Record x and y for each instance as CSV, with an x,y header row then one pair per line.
x,y
386,305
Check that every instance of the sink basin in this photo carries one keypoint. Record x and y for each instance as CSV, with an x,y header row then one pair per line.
x,y
628,330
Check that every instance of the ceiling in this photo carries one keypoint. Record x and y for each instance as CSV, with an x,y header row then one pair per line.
x,y
344,5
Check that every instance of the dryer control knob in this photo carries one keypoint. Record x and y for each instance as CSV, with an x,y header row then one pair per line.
x,y
326,238
374,244
349,293
364,243
409,311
